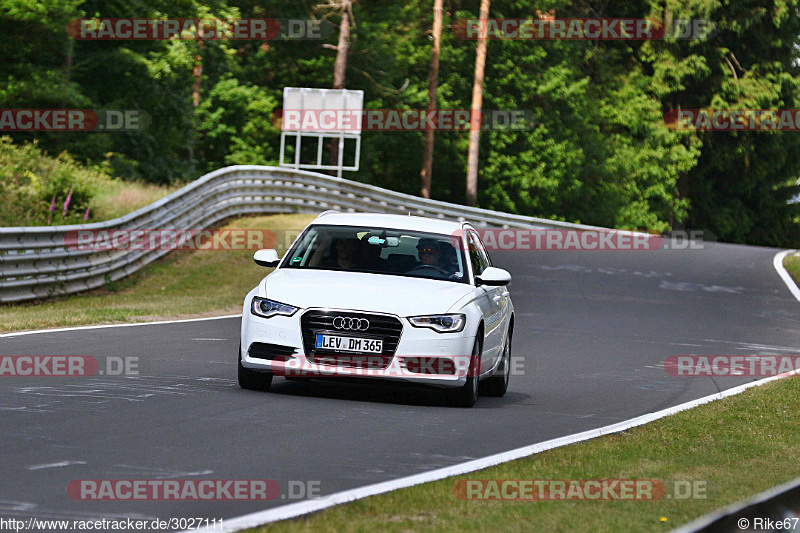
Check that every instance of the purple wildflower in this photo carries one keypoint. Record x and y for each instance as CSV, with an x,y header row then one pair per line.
x,y
66,204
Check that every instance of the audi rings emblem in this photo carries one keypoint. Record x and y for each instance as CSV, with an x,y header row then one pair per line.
x,y
353,324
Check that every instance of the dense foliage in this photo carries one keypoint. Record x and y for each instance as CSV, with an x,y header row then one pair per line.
x,y
599,151
38,190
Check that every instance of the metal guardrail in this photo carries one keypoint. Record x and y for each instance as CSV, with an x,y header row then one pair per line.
x,y
775,509
35,262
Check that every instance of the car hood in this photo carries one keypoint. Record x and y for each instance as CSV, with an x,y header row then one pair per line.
x,y
403,296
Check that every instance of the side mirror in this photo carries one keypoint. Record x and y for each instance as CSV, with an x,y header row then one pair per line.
x,y
266,258
493,277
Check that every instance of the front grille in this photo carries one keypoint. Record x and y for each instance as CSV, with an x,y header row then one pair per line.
x,y
387,328
270,352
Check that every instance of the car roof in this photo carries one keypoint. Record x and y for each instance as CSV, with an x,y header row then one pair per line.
x,y
382,220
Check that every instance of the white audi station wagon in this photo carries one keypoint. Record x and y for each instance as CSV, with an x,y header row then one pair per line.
x,y
390,297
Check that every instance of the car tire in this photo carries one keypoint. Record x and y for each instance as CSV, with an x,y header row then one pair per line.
x,y
466,395
497,385
252,380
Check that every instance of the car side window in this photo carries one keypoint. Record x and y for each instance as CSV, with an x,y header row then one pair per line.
x,y
483,251
478,260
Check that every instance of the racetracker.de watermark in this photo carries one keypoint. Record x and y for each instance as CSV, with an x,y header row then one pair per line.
x,y
588,240
191,490
733,119
589,29
731,365
383,366
110,524
580,489
96,120
178,239
354,120
149,29
67,366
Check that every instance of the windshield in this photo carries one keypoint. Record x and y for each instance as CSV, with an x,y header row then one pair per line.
x,y
379,251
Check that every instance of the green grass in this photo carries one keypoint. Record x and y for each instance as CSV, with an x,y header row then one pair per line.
x,y
792,264
180,285
117,198
740,446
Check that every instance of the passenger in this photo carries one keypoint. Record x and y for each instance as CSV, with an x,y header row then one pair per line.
x,y
345,254
341,253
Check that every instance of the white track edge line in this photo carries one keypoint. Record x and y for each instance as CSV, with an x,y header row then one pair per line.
x,y
294,510
105,326
777,262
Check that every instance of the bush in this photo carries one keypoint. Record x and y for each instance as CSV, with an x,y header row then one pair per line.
x,y
31,183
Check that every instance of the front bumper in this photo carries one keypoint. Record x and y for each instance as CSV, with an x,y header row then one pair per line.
x,y
422,356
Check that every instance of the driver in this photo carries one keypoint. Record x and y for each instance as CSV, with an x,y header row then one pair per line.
x,y
428,252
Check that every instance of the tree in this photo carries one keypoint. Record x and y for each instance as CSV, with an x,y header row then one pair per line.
x,y
433,78
475,108
597,149
342,49
340,65
234,126
743,180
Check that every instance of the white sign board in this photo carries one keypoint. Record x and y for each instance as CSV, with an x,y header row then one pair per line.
x,y
321,113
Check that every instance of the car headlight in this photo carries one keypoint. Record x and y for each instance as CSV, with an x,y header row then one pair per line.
x,y
268,308
451,323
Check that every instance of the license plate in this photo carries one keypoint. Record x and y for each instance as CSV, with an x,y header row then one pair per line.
x,y
349,344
